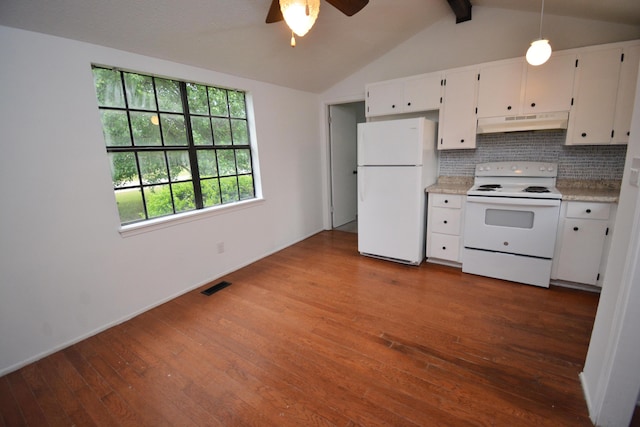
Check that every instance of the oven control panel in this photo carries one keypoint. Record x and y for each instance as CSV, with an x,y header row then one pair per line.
x,y
517,169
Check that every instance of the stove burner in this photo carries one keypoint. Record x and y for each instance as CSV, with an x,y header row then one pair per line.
x,y
536,189
486,187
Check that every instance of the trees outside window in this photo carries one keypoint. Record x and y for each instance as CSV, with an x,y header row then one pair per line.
x,y
173,146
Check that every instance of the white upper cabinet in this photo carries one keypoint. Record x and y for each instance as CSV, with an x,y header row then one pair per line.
x,y
499,89
548,87
418,93
384,98
511,88
626,94
594,97
457,128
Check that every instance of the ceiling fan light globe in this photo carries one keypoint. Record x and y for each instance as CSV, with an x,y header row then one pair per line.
x,y
300,15
539,52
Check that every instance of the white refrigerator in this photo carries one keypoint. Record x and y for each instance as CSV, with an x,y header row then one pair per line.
x,y
397,160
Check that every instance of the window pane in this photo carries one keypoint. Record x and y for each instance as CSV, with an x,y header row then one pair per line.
x,y
158,200
145,129
201,130
183,196
226,162
229,187
179,166
221,131
124,171
130,205
240,133
246,187
237,106
243,161
153,167
174,132
210,192
207,165
197,96
169,98
218,102
108,87
115,128
140,91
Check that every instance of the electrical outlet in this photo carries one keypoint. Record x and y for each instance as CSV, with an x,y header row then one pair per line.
x,y
220,247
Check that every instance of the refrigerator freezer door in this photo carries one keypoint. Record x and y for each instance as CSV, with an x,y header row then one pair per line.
x,y
391,213
392,142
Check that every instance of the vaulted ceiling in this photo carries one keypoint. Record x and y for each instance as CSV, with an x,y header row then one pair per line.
x,y
231,35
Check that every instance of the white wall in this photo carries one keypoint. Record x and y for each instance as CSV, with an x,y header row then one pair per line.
x,y
492,34
611,375
65,270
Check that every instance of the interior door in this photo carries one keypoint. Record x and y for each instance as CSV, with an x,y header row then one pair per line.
x,y
343,131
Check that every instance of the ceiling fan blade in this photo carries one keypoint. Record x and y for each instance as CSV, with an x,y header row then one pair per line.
x,y
348,7
275,14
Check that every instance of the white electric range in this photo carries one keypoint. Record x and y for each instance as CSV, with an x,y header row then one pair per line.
x,y
511,221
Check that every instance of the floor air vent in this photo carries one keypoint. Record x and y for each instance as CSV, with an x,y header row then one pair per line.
x,y
215,288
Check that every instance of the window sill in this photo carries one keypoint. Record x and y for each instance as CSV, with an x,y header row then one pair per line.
x,y
182,218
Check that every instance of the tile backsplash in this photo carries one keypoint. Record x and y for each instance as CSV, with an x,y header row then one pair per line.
x,y
592,162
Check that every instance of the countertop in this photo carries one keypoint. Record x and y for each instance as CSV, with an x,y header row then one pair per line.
x,y
603,191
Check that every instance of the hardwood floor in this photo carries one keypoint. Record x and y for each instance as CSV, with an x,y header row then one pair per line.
x,y
319,335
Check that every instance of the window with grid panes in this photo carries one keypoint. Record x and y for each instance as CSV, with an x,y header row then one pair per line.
x,y
174,146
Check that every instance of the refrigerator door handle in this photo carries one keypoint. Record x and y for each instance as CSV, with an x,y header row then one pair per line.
x,y
361,182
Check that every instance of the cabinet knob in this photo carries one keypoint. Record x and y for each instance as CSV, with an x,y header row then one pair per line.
x,y
533,104
588,211
509,107
445,221
393,106
409,104
461,141
446,200
444,248
628,133
584,134
575,228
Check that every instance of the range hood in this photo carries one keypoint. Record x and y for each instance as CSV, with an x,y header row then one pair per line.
x,y
540,121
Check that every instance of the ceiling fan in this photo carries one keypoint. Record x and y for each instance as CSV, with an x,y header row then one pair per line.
x,y
308,12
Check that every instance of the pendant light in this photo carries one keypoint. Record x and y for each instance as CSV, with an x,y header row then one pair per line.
x,y
300,15
540,50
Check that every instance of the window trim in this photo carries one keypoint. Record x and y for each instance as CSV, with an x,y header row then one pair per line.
x,y
159,223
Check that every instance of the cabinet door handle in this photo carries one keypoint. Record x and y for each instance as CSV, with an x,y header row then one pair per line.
x,y
588,211
446,200
409,104
462,141
575,228
444,248
584,134
445,221
509,107
533,104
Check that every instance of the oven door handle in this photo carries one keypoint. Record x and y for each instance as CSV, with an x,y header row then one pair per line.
x,y
513,201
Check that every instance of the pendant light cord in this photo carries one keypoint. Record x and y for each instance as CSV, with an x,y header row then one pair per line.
x,y
541,15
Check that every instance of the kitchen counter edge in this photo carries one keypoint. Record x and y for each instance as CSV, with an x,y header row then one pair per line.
x,y
571,190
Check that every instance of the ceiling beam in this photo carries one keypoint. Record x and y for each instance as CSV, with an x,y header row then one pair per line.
x,y
462,9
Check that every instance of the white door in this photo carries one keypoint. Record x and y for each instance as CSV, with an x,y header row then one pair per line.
x,y
343,125
391,212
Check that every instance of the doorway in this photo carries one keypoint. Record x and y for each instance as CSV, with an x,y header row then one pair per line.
x,y
343,137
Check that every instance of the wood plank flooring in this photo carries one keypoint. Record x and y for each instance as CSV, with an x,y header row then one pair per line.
x,y
319,335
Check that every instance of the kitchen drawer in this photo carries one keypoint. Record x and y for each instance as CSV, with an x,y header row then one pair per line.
x,y
588,210
446,221
446,200
445,246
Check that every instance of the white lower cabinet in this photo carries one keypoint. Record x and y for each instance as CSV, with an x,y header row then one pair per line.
x,y
582,242
444,227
